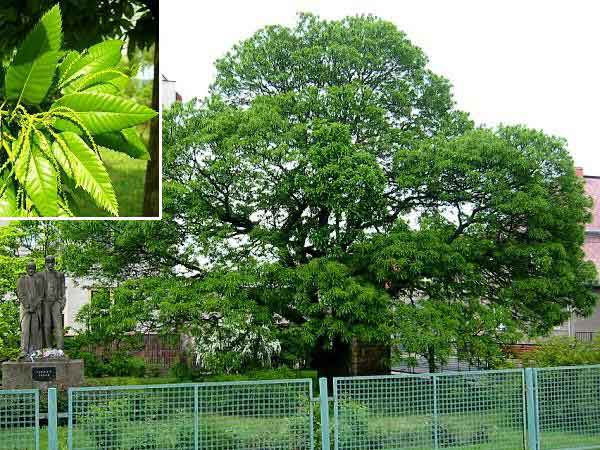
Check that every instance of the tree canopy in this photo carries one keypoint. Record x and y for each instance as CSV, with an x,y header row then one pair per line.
x,y
328,182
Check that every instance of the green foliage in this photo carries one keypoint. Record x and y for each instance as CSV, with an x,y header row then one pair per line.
x,y
9,330
124,365
54,105
563,351
86,21
127,175
179,374
329,184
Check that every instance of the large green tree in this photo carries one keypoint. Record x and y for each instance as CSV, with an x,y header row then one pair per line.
x,y
329,180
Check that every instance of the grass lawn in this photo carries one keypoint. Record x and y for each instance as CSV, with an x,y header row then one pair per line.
x,y
129,381
553,440
127,175
230,432
266,374
216,432
62,438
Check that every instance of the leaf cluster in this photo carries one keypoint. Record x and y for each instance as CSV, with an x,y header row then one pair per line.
x,y
86,21
57,110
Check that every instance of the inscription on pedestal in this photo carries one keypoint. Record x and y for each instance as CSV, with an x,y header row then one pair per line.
x,y
43,373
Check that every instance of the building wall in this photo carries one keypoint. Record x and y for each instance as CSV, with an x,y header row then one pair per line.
x,y
168,93
592,187
369,359
591,247
584,327
78,293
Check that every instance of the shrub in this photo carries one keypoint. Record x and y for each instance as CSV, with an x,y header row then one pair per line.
x,y
124,365
183,371
94,367
564,351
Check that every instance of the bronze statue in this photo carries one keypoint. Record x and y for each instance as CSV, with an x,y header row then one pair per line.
x,y
30,290
53,304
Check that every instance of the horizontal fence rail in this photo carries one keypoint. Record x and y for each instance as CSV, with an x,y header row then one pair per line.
x,y
433,411
568,407
19,420
220,416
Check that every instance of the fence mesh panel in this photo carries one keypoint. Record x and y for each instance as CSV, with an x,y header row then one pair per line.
x,y
476,410
19,420
208,416
568,407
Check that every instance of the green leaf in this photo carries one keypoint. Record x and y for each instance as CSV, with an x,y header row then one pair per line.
x,y
46,36
82,164
30,82
31,72
105,55
67,62
101,113
107,81
38,176
8,200
125,141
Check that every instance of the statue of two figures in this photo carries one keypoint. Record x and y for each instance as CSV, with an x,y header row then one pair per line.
x,y
42,298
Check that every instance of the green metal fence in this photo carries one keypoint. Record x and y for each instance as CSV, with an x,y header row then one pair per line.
x,y
567,407
534,409
19,420
430,411
210,416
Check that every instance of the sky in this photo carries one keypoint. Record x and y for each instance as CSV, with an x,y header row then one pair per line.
x,y
530,62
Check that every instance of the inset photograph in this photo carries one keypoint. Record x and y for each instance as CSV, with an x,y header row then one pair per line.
x,y
79,130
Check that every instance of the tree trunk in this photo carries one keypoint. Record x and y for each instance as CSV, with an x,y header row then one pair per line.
x,y
331,362
431,359
152,182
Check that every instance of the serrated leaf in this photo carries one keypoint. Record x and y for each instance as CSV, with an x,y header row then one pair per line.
x,y
46,36
101,113
8,200
82,164
67,62
63,210
31,72
38,176
105,55
125,141
108,81
30,82
103,88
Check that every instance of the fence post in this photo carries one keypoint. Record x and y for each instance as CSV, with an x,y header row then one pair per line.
x,y
52,420
533,441
324,403
37,420
436,425
196,419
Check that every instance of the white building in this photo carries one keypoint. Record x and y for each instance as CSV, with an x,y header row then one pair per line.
x,y
78,293
169,94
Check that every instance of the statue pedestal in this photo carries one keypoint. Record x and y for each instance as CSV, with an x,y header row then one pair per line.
x,y
42,374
